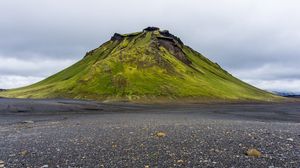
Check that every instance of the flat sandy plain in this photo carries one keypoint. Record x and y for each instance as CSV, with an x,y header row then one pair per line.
x,y
73,133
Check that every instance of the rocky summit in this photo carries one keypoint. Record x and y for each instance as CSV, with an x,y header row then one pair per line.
x,y
151,65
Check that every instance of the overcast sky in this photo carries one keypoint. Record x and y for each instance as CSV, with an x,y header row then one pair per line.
x,y
257,41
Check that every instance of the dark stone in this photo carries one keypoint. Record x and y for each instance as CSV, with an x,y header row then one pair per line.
x,y
166,33
151,29
116,36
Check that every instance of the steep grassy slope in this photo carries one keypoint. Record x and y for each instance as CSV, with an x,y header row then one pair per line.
x,y
148,65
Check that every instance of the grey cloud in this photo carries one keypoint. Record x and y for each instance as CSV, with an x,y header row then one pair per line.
x,y
38,67
14,81
278,85
249,38
268,72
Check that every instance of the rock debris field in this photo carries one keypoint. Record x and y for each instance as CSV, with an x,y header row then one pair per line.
x,y
69,133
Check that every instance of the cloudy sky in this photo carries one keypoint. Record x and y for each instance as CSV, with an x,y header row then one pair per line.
x,y
257,41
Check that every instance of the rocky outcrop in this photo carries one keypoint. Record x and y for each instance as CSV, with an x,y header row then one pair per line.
x,y
174,48
166,33
116,36
151,29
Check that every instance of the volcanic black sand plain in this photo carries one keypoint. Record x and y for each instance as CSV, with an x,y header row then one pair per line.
x,y
74,133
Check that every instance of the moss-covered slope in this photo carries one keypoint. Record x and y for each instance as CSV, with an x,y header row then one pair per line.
x,y
147,65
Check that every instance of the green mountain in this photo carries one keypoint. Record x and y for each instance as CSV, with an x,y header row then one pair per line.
x,y
151,65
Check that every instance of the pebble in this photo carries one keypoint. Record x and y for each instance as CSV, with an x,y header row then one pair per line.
x,y
45,166
160,134
28,122
24,152
253,152
1,163
180,161
290,139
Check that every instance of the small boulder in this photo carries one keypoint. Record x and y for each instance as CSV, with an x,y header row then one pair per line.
x,y
1,163
28,122
160,134
180,161
253,152
24,152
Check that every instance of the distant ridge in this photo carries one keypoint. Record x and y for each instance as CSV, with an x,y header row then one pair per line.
x,y
288,94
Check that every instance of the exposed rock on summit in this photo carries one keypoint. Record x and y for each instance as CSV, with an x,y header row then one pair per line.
x,y
151,29
116,36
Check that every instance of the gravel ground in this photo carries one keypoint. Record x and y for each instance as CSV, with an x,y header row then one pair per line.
x,y
126,136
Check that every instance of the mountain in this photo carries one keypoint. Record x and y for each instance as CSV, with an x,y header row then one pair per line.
x,y
287,94
151,65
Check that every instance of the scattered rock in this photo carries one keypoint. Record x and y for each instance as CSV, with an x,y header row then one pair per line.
x,y
160,134
23,153
28,122
253,152
180,161
1,164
